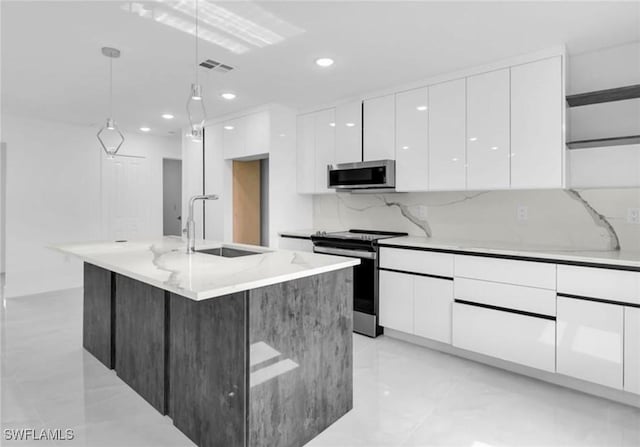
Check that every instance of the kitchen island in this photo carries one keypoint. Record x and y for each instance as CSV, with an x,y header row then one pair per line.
x,y
238,345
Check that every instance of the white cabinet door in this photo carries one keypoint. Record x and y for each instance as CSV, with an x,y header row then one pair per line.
x,y
325,149
349,132
234,139
305,154
447,140
508,336
379,128
396,301
433,300
537,146
632,349
488,130
257,134
412,140
590,341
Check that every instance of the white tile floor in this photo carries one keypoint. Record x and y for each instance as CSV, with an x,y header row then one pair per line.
x,y
404,395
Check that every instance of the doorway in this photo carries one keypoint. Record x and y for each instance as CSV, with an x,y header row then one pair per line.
x,y
250,203
171,197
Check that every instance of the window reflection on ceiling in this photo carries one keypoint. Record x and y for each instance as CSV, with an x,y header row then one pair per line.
x,y
237,27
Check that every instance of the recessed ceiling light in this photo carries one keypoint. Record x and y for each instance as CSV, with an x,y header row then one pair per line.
x,y
350,124
145,129
167,116
421,108
473,139
405,147
228,96
228,128
324,62
332,124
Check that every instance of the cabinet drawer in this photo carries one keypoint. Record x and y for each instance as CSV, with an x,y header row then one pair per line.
x,y
426,262
614,285
515,338
590,341
528,299
524,273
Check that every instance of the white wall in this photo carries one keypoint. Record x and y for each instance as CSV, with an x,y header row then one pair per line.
x,y
54,197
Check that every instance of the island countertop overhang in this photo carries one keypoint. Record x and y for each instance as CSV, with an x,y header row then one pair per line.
x,y
164,263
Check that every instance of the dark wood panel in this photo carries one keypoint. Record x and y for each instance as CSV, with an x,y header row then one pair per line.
x,y
140,339
608,95
301,358
207,369
96,314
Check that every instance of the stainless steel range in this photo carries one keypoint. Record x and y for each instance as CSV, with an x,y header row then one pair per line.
x,y
358,244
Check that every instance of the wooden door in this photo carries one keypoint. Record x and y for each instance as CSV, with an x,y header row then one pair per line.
x,y
246,202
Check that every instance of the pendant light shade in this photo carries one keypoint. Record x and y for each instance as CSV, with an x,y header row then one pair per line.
x,y
109,136
195,104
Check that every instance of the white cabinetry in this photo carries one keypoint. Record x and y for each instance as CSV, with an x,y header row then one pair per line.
x,y
488,130
632,349
447,130
315,150
590,341
412,140
537,143
349,132
508,336
247,136
305,154
433,298
379,128
325,150
396,301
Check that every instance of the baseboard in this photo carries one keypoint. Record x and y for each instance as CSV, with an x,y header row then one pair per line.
x,y
604,392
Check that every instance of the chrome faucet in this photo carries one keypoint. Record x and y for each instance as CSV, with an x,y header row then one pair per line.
x,y
191,224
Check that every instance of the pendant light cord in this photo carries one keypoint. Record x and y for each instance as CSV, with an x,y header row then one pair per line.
x,y
110,87
196,60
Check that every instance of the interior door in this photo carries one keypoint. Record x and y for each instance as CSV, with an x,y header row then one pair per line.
x,y
125,198
246,202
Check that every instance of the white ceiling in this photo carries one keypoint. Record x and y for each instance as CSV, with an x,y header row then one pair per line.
x,y
52,67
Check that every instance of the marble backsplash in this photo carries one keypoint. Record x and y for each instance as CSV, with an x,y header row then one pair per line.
x,y
590,219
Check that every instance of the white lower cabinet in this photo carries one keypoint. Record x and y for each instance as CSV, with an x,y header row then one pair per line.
x,y
396,301
632,349
433,298
416,305
590,341
516,338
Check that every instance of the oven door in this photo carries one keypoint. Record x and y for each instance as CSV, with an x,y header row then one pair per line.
x,y
365,287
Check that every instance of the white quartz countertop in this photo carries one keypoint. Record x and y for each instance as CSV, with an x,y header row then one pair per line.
x,y
604,257
164,263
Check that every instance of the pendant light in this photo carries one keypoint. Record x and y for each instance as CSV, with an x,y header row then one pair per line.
x,y
109,136
195,104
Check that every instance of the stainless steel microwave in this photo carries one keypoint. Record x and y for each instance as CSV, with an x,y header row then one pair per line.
x,y
373,175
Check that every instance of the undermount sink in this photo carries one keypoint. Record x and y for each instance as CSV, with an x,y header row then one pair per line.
x,y
229,252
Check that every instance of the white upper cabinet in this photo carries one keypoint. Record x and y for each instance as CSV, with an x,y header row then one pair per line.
x,y
488,130
305,154
257,133
233,139
349,132
325,132
537,143
379,128
447,140
412,140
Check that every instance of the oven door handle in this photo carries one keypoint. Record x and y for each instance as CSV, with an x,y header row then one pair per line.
x,y
343,252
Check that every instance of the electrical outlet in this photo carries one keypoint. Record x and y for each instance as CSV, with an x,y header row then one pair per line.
x,y
633,215
523,212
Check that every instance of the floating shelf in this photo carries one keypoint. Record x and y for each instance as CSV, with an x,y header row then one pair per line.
x,y
600,96
602,142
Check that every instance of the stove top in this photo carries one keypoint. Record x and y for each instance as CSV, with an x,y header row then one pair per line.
x,y
357,235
